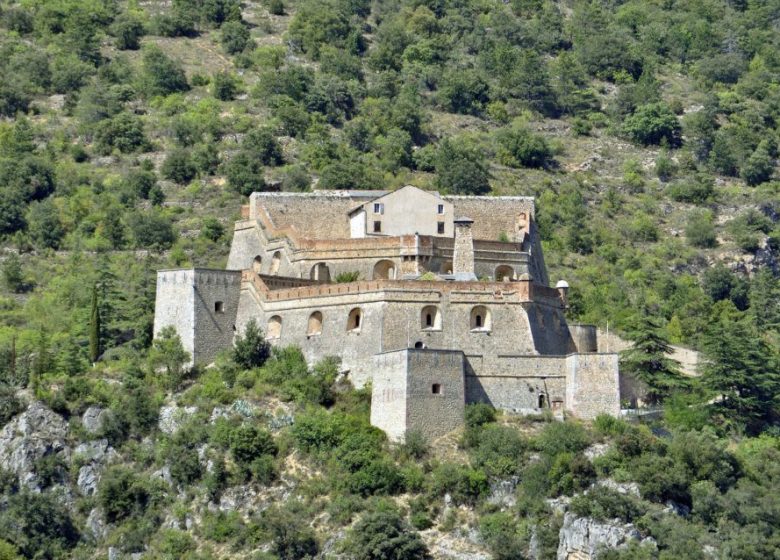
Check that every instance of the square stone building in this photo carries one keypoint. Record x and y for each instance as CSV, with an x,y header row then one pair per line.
x,y
437,301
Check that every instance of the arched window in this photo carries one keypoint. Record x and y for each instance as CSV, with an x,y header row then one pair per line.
x,y
315,324
480,318
542,401
384,270
321,273
276,260
430,318
504,273
355,320
419,345
257,263
274,329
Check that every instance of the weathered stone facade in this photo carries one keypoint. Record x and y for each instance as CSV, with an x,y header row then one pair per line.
x,y
502,340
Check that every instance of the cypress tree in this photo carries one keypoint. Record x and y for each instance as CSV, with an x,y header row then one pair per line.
x,y
94,328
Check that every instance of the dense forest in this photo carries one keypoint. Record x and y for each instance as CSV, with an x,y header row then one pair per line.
x,y
130,134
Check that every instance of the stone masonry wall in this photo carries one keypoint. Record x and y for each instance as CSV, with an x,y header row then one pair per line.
x,y
435,414
388,394
592,385
175,305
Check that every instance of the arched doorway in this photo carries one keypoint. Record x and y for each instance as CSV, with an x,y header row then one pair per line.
x,y
320,272
315,324
274,329
384,270
257,264
504,273
354,320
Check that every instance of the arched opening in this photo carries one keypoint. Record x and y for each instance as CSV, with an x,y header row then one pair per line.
x,y
274,329
315,324
430,318
321,273
504,273
542,401
384,270
419,345
276,261
257,263
446,267
480,318
355,320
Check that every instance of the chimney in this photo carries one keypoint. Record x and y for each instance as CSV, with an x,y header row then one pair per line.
x,y
463,253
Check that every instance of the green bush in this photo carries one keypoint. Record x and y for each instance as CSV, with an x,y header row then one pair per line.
x,y
653,124
122,494
251,349
224,86
384,534
562,437
605,504
503,536
498,451
124,132
161,75
178,166
463,484
700,229
234,37
127,31
247,443
461,170
519,147
38,526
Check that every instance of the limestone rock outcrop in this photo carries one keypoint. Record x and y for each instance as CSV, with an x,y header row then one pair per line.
x,y
32,435
583,538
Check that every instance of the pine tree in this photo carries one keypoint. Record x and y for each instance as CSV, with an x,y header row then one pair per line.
x,y
743,373
251,350
647,361
94,328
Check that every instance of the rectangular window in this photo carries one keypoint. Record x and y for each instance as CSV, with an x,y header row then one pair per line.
x,y
377,227
440,210
379,208
219,307
440,227
436,389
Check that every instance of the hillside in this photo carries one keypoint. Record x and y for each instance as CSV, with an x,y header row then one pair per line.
x,y
131,133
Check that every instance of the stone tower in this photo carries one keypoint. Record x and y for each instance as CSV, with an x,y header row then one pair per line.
x,y
463,251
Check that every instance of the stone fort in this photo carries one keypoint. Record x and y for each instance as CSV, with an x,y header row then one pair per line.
x,y
436,301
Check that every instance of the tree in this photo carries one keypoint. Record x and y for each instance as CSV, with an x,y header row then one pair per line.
x,y
127,30
252,349
461,170
759,166
44,224
124,132
38,525
519,147
178,167
224,86
94,328
245,173
152,230
168,352
653,124
13,276
383,535
648,360
234,37
161,75
700,230
263,145
463,91
742,371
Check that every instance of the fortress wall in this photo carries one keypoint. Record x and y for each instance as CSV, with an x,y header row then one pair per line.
x,y
388,394
548,329
186,299
246,245
592,385
175,306
319,215
493,215
434,415
215,327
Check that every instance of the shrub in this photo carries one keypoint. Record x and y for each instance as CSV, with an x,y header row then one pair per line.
x,y
178,166
519,147
463,484
174,543
276,7
124,132
168,352
234,37
224,86
700,229
697,190
152,230
161,75
251,350
38,526
501,533
248,443
127,31
122,494
245,173
263,145
288,526
605,504
498,450
562,437
479,414
461,170
382,535
653,124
